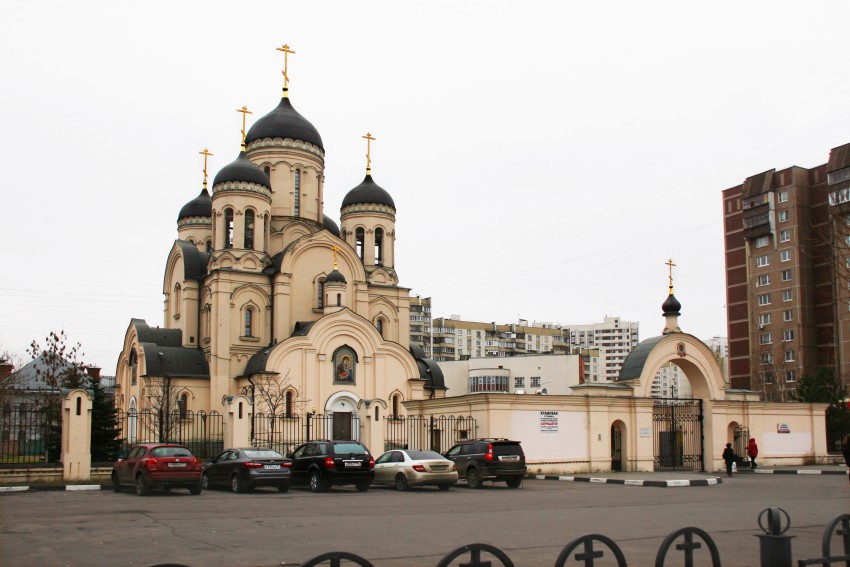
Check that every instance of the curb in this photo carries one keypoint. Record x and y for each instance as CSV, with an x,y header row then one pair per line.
x,y
801,471
65,487
654,483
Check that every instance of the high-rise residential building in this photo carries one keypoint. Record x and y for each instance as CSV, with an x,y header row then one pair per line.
x,y
671,382
604,345
420,322
787,265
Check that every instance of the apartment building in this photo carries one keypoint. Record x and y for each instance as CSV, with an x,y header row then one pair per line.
x,y
603,346
420,323
671,382
787,267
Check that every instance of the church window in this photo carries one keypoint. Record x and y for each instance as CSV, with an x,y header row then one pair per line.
x,y
379,246
297,192
207,315
249,322
320,294
379,324
134,368
338,299
177,299
290,402
359,237
183,404
268,170
377,415
395,405
209,246
228,228
249,229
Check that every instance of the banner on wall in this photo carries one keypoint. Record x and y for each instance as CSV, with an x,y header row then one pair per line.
x,y
548,422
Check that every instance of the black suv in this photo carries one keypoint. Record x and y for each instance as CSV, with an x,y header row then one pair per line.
x,y
478,460
323,463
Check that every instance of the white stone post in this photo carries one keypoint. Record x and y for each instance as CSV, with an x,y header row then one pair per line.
x,y
76,435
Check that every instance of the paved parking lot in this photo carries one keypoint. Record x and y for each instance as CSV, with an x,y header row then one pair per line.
x,y
390,528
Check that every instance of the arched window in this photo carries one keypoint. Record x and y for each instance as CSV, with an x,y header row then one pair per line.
x,y
268,171
297,208
134,368
183,405
228,228
395,405
320,293
249,322
379,324
377,415
249,229
379,246
290,402
359,237
338,299
209,246
177,300
207,320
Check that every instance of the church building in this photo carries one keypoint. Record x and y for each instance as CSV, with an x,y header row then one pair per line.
x,y
261,286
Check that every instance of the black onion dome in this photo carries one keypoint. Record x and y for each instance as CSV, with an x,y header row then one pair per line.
x,y
200,206
284,122
368,192
329,225
335,276
671,305
242,170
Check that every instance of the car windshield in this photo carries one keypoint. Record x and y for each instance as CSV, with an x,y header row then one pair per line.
x,y
170,452
506,449
349,449
262,454
422,455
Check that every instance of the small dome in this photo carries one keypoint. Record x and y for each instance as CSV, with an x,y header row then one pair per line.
x,y
671,306
329,225
200,206
284,122
242,170
368,192
335,276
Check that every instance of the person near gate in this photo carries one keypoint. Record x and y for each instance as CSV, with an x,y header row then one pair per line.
x,y
729,457
753,452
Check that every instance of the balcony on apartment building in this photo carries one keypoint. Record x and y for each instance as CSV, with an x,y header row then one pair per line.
x,y
840,199
757,216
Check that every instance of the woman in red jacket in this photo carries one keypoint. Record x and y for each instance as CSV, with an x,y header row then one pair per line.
x,y
753,452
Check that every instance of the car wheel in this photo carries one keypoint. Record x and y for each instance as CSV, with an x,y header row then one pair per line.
x,y
116,486
316,483
142,488
362,485
401,482
472,478
514,482
195,490
283,487
205,481
444,487
235,485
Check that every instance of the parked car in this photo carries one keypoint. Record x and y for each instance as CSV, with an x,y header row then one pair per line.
x,y
478,460
323,463
243,469
404,468
157,465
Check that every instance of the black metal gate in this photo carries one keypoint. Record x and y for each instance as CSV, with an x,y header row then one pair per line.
x,y
616,448
422,432
677,435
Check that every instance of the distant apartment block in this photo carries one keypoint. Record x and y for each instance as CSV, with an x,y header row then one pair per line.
x,y
420,323
787,266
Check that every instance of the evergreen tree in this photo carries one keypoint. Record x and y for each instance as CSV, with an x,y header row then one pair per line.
x,y
824,387
105,430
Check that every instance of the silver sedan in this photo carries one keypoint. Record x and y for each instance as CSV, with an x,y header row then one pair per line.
x,y
404,468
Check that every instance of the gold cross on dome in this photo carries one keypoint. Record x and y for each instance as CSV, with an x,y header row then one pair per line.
x,y
245,112
286,52
368,137
669,263
206,153
335,251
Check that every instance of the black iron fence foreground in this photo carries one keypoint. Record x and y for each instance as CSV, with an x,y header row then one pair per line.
x,y
685,545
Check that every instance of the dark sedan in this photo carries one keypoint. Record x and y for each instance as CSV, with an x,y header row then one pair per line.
x,y
243,469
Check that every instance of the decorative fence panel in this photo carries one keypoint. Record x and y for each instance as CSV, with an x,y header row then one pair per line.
x,y
678,438
284,433
201,432
423,433
30,434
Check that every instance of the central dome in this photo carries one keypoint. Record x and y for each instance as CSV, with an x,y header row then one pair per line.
x,y
284,122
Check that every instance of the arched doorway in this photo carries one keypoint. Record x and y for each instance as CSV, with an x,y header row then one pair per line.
x,y
340,420
618,446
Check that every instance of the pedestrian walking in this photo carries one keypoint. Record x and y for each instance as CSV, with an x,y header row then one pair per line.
x,y
845,448
753,452
729,457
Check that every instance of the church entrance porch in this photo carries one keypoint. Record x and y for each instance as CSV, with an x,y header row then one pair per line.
x,y
678,435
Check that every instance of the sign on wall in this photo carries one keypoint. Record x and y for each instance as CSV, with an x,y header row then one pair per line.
x,y
548,422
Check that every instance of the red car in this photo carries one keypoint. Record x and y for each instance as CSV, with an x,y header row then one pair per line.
x,y
157,465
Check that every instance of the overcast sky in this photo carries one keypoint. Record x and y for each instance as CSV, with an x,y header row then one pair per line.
x,y
545,158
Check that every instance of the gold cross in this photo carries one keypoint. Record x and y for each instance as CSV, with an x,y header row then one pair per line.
x,y
368,137
286,52
669,263
245,112
335,251
206,153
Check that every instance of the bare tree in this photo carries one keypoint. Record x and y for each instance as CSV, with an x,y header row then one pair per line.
x,y
162,402
272,391
10,380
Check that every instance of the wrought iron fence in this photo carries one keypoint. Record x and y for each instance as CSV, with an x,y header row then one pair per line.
x,y
30,434
677,428
201,432
283,433
427,433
